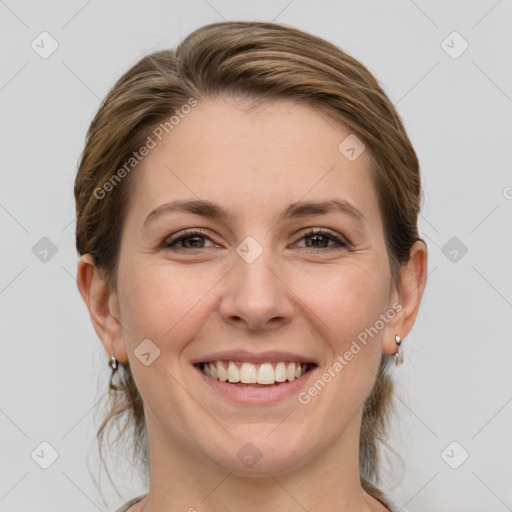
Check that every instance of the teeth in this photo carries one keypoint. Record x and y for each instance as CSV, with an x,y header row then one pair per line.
x,y
233,372
221,371
249,373
290,372
266,374
280,372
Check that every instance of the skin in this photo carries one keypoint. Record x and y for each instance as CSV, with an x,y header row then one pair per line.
x,y
200,296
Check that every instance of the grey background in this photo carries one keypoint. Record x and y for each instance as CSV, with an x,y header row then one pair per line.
x,y
455,384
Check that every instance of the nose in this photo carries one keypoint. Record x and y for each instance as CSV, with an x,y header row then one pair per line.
x,y
255,295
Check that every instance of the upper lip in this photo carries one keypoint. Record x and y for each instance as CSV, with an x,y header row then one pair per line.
x,y
255,358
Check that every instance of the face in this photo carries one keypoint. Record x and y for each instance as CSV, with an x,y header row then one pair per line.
x,y
254,285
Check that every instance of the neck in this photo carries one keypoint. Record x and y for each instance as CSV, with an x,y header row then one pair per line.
x,y
183,479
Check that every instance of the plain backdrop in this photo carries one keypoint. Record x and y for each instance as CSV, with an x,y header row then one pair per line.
x,y
446,67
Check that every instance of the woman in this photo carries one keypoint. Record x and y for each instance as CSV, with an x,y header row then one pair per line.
x,y
247,213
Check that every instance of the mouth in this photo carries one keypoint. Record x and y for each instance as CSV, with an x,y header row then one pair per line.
x,y
245,374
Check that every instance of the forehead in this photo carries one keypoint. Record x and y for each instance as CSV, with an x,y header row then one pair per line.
x,y
253,159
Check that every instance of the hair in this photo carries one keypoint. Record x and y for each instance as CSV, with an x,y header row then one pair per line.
x,y
262,62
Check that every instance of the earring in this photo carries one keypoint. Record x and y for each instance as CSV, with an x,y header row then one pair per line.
x,y
113,364
399,356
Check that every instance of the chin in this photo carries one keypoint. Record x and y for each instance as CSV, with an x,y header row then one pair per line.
x,y
263,452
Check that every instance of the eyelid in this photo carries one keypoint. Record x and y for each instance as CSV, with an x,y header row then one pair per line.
x,y
186,233
340,241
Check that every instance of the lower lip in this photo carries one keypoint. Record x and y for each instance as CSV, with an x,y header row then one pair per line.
x,y
250,395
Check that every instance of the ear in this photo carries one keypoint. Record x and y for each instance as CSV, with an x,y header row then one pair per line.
x,y
407,293
102,302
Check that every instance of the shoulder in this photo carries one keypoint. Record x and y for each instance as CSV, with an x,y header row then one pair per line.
x,y
129,503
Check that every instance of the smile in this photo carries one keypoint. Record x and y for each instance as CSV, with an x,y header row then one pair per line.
x,y
265,374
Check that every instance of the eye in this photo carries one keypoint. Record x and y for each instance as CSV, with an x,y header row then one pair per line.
x,y
320,237
195,238
193,235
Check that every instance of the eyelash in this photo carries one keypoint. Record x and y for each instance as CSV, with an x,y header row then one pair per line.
x,y
198,232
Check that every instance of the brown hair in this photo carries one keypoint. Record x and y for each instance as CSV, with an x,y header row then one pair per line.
x,y
261,62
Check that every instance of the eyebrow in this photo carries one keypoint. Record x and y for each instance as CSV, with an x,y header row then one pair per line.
x,y
295,210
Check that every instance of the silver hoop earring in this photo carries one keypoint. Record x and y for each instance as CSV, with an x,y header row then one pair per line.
x,y
113,363
399,356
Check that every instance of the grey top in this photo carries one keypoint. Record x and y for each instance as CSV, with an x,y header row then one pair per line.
x,y
393,507
128,504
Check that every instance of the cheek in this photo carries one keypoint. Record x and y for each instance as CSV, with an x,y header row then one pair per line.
x,y
161,303
346,301
345,312
165,307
